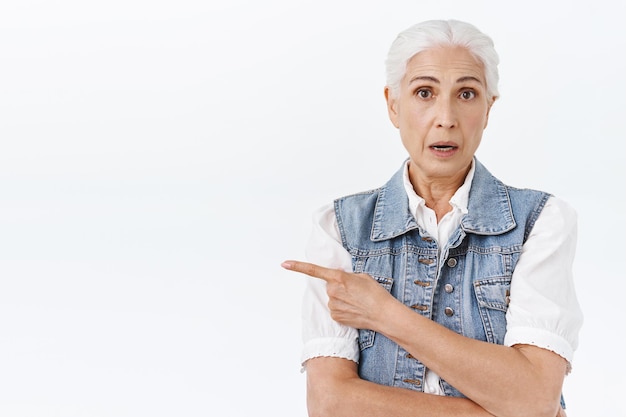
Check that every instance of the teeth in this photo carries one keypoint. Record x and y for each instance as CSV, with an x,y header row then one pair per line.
x,y
441,148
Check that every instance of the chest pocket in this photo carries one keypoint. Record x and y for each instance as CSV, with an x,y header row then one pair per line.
x,y
366,336
492,295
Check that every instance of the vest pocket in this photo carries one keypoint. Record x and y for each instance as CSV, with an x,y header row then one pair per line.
x,y
366,337
493,301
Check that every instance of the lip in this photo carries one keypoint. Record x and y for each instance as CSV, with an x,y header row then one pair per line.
x,y
444,149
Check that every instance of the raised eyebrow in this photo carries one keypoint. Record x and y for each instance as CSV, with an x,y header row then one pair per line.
x,y
435,80
424,78
469,78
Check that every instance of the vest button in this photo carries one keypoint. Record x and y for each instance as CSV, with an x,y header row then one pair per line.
x,y
448,288
413,381
449,312
451,262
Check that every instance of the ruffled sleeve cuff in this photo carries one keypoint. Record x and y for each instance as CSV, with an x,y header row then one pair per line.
x,y
543,339
337,347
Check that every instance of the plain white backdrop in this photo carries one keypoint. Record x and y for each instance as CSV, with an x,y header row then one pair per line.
x,y
159,159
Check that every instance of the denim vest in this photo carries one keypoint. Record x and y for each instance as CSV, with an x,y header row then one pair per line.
x,y
465,289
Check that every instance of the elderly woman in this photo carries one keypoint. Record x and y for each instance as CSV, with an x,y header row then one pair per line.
x,y
445,292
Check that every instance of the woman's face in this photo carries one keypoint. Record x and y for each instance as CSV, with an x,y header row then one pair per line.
x,y
441,110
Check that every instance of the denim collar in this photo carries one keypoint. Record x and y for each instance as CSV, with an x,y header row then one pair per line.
x,y
489,207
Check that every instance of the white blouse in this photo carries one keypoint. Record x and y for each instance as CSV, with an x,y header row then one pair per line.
x,y
543,309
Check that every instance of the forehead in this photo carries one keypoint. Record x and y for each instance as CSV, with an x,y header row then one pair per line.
x,y
439,61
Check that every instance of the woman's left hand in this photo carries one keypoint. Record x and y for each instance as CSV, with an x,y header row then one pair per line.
x,y
355,300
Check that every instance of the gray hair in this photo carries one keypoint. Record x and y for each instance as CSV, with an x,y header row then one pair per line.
x,y
434,33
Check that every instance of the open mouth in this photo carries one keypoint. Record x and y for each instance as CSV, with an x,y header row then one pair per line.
x,y
443,148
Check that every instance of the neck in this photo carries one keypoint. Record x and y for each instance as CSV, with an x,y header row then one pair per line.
x,y
437,192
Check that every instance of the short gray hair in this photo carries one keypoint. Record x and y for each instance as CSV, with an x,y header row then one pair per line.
x,y
434,33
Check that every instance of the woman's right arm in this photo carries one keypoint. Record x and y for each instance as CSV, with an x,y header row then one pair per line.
x,y
334,389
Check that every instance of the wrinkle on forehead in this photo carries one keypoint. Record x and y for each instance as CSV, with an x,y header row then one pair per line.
x,y
454,61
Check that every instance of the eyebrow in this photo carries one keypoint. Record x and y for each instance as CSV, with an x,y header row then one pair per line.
x,y
435,80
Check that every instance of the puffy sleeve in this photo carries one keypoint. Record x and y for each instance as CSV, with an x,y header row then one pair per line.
x,y
544,309
323,336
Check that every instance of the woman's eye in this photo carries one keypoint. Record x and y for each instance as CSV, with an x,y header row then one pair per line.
x,y
424,93
468,95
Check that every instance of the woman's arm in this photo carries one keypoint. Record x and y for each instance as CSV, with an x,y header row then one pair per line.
x,y
334,389
505,381
521,380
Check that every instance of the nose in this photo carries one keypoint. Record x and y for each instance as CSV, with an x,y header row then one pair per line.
x,y
446,114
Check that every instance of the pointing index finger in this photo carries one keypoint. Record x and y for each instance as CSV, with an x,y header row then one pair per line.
x,y
312,270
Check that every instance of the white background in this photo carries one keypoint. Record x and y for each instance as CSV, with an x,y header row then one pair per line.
x,y
159,159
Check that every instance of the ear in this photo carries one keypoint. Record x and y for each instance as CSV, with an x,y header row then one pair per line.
x,y
392,107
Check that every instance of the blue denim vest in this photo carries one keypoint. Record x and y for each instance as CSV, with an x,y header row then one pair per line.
x,y
465,289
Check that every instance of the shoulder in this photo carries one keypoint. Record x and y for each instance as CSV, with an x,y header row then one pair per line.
x,y
557,217
561,208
